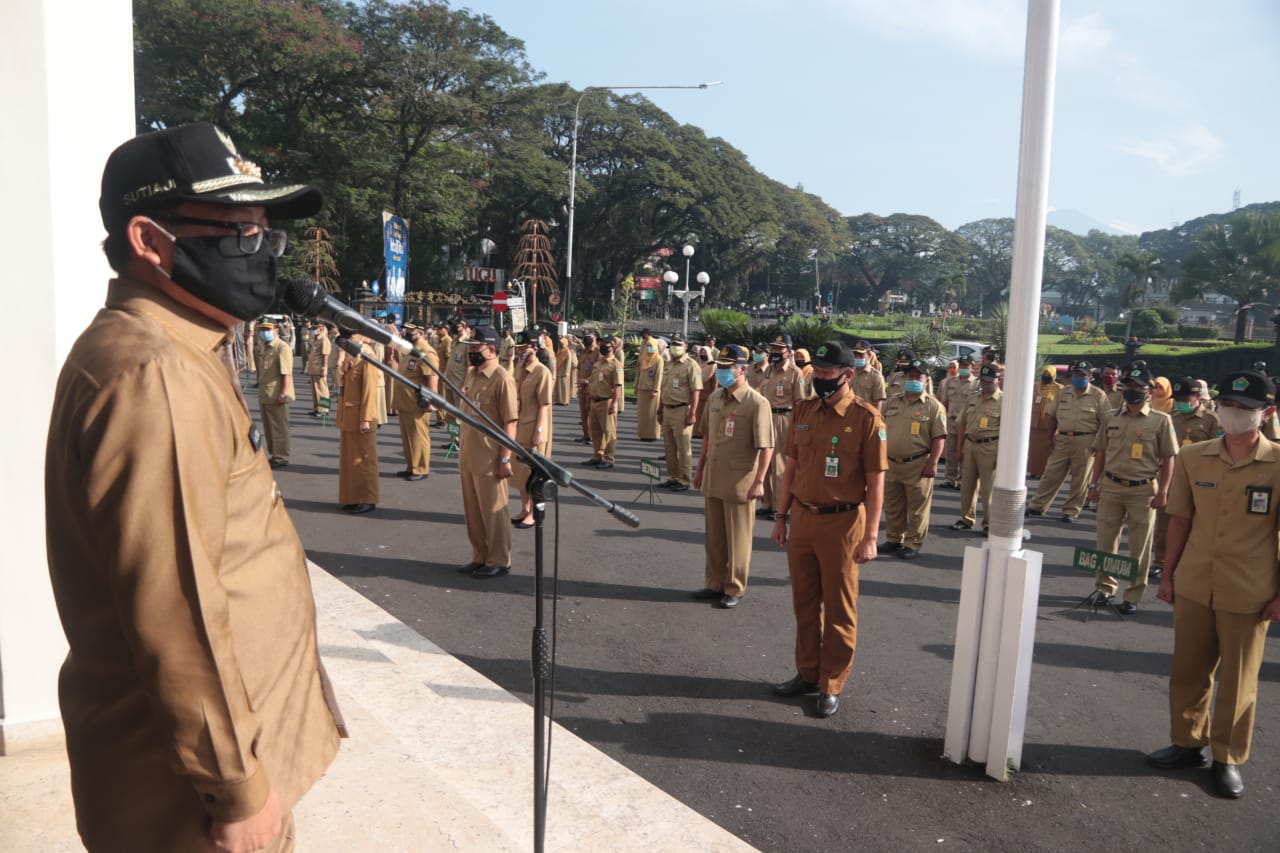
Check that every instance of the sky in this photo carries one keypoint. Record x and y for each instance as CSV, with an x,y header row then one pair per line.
x,y
1164,108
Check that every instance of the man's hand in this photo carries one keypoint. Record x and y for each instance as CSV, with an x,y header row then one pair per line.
x,y
283,398
780,532
365,426
697,478
503,471
865,551
253,833
1272,611
1160,499
689,418
755,491
1165,592
930,470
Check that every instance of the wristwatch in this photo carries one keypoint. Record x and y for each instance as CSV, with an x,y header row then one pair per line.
x,y
503,460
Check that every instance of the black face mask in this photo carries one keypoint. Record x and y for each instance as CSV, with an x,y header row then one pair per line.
x,y
243,286
824,388
775,358
1133,396
1046,380
801,363
606,351
476,357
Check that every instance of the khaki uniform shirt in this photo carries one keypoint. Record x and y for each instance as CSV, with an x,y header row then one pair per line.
x,y
893,385
586,363
913,426
650,378
1115,399
739,423
532,392
507,352
1043,399
1081,412
276,364
783,387
1229,562
952,392
493,391
319,348
606,374
756,374
868,383
853,432
361,382
1200,424
1133,445
417,366
681,378
443,346
456,370
192,679
982,416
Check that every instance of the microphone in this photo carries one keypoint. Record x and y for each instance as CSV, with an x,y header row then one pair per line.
x,y
309,299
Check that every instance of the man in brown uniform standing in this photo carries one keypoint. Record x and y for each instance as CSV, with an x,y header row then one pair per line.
x,y
357,421
484,464
736,450
868,381
319,350
444,351
1192,422
832,492
952,393
586,361
916,426
1133,457
275,390
415,423
978,446
604,391
1223,582
678,406
1074,422
534,389
192,697
783,387
456,366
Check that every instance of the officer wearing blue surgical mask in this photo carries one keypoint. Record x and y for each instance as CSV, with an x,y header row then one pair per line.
x,y
916,428
1073,426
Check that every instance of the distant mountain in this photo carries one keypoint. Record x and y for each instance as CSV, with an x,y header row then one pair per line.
x,y
1080,223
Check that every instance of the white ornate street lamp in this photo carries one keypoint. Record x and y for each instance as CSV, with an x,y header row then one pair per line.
x,y
686,296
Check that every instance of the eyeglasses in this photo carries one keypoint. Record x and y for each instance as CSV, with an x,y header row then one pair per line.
x,y
248,239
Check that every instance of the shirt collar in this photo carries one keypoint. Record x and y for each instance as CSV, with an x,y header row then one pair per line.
x,y
1265,451
136,297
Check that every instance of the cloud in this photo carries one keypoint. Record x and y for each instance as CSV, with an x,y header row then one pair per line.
x,y
1083,39
1182,152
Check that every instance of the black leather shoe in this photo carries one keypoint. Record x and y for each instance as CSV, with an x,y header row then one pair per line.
x,y
347,507
490,571
413,478
405,473
795,687
1174,757
962,525
890,547
604,466
828,704
908,554
705,594
1226,781
593,463
359,508
1155,573
679,487
1034,513
1127,608
1067,519
469,568
729,602
278,463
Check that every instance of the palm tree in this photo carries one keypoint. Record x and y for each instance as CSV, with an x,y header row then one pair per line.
x,y
1239,258
1145,270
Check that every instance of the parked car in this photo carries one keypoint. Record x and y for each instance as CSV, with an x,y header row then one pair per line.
x,y
952,350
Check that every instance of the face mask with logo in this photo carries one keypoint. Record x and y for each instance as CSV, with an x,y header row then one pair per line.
x,y
775,358
1183,407
1079,382
1238,421
213,270
725,377
1134,396
914,386
824,388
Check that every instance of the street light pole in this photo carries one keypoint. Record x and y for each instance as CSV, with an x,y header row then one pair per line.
x,y
686,296
573,175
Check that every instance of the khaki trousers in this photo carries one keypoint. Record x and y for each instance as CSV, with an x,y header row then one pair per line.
x,y
319,389
415,439
358,467
778,464
584,413
908,498
1160,537
949,450
677,438
646,415
454,400
729,528
824,594
1205,640
1072,454
979,476
520,472
484,505
275,423
1117,505
604,430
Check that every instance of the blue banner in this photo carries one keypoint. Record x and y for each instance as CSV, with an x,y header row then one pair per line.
x,y
395,248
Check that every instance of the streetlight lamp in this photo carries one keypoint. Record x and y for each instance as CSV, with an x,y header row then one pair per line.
x,y
573,175
686,296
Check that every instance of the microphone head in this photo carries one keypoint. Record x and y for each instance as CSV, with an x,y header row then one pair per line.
x,y
304,297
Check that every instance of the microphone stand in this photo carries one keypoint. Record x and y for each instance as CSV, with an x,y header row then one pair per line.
x,y
542,486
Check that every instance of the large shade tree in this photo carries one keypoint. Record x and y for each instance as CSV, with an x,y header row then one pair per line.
x,y
1238,258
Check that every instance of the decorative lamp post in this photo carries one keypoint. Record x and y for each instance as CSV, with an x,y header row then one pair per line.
x,y
686,296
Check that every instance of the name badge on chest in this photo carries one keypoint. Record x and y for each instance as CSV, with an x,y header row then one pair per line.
x,y
831,466
1259,500
728,426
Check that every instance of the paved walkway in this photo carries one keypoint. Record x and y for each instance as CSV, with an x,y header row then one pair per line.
x,y
440,758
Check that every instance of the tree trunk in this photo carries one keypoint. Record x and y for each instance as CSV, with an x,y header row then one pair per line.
x,y
1242,318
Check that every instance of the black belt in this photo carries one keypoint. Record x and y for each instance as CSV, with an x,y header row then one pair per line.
x,y
909,458
600,399
982,440
673,405
1073,434
828,510
781,411
1123,482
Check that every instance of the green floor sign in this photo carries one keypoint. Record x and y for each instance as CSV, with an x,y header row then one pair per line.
x,y
1093,562
650,469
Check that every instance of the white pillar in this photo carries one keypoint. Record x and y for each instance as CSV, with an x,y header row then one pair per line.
x,y
68,99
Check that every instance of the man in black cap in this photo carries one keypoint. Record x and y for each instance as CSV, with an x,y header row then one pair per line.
x,y
978,446
868,381
415,434
677,409
916,426
1223,582
1133,461
783,387
1192,422
952,393
1077,415
193,698
759,369
831,494
898,375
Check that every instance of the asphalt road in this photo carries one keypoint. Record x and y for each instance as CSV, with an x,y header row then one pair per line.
x,y
680,692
